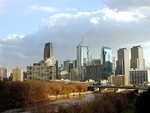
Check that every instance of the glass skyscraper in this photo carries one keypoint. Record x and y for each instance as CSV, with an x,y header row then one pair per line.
x,y
82,54
106,60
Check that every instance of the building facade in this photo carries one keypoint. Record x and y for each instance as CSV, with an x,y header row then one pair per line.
x,y
123,64
81,54
118,80
69,64
45,70
48,51
3,73
17,74
77,74
137,58
96,62
106,60
94,72
113,65
139,77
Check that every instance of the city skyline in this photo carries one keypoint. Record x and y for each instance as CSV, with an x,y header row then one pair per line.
x,y
26,25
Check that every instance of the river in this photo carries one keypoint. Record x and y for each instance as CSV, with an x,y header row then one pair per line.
x,y
39,107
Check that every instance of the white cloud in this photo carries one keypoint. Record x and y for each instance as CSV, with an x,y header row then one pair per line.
x,y
126,4
94,17
14,37
95,20
121,15
114,28
44,8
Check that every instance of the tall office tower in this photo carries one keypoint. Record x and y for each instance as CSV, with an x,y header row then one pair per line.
x,y
68,65
3,73
137,59
123,64
106,60
17,74
113,65
89,57
48,51
81,53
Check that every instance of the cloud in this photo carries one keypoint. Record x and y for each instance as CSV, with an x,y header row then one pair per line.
x,y
126,4
95,20
121,15
14,37
94,17
130,8
106,27
44,8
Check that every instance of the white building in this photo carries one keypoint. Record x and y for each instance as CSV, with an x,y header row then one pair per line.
x,y
45,70
139,77
83,54
137,58
123,64
3,73
17,74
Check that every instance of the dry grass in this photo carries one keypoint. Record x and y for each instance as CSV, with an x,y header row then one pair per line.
x,y
102,103
18,94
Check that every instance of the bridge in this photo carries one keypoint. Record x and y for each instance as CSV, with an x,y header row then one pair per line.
x,y
94,87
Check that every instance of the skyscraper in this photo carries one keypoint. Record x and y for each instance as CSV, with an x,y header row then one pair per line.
x,y
123,64
48,51
106,60
3,73
137,60
81,53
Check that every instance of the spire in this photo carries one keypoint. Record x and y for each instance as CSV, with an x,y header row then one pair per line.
x,y
82,39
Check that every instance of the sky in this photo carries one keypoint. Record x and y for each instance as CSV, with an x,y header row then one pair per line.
x,y
26,25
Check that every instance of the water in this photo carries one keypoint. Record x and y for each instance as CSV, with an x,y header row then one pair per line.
x,y
35,108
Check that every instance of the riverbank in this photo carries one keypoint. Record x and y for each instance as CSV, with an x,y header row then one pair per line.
x,y
19,94
85,102
88,103
68,96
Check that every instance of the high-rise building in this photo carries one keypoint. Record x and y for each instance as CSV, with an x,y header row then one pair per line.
x,y
139,77
69,64
96,62
45,70
17,74
94,72
106,60
3,73
82,51
137,59
123,64
113,65
48,51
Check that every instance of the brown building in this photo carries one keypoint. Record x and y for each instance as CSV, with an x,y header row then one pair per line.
x,y
137,58
94,72
118,80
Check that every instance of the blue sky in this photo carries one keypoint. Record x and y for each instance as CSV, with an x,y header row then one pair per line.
x,y
26,25
25,16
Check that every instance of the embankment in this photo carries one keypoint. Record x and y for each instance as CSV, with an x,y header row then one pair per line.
x,y
19,94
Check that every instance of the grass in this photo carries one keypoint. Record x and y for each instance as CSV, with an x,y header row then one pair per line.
x,y
19,94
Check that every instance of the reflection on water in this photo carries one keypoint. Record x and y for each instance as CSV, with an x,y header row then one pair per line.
x,y
65,102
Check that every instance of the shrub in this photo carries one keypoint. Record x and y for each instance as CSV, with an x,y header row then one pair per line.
x,y
18,94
